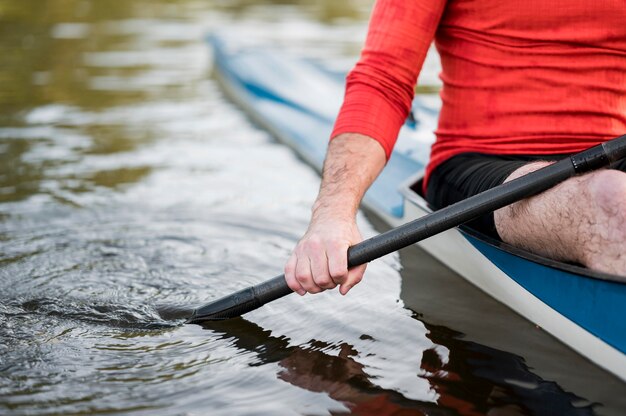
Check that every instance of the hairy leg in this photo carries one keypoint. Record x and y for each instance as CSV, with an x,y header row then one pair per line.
x,y
582,220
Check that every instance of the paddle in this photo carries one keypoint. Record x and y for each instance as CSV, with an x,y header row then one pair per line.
x,y
538,181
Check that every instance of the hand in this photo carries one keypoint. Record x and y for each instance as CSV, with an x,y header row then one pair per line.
x,y
320,259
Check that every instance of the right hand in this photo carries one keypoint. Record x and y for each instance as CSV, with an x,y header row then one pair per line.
x,y
320,259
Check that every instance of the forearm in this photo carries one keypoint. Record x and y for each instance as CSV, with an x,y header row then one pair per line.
x,y
378,97
352,163
319,260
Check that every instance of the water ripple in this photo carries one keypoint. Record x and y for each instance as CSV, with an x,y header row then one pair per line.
x,y
131,192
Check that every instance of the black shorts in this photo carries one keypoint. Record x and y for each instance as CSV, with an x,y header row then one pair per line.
x,y
468,174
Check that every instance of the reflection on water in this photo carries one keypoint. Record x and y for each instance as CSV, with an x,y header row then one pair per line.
x,y
131,191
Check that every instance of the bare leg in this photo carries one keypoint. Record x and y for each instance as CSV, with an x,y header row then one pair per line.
x,y
582,220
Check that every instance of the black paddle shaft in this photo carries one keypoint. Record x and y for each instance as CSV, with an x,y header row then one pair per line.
x,y
429,225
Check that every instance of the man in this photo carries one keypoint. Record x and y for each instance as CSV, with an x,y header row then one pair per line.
x,y
524,84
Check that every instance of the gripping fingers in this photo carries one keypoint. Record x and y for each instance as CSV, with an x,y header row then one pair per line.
x,y
319,268
304,275
290,276
338,263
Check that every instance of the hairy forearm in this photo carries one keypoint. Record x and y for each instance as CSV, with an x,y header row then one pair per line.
x,y
319,260
352,163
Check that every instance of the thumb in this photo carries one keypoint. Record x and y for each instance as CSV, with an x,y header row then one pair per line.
x,y
355,275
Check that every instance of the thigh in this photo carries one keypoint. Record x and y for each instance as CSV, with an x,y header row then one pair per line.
x,y
468,174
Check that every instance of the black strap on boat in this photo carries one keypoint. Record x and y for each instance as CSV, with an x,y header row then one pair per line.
x,y
596,157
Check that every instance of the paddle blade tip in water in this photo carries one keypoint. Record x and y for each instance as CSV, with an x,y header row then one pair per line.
x,y
227,307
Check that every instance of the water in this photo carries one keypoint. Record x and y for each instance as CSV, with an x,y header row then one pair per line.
x,y
132,191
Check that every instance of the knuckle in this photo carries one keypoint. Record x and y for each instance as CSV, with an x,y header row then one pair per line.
x,y
338,272
301,277
323,281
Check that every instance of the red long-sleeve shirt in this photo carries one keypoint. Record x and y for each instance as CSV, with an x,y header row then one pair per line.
x,y
519,77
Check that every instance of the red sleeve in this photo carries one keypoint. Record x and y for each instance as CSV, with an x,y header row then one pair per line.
x,y
380,88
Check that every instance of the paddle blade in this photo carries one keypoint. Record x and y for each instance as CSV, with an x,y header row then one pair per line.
x,y
241,302
227,307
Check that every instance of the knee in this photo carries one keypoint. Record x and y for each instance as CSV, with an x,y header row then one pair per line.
x,y
606,189
606,193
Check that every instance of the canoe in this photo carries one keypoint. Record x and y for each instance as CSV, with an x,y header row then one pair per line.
x,y
297,99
